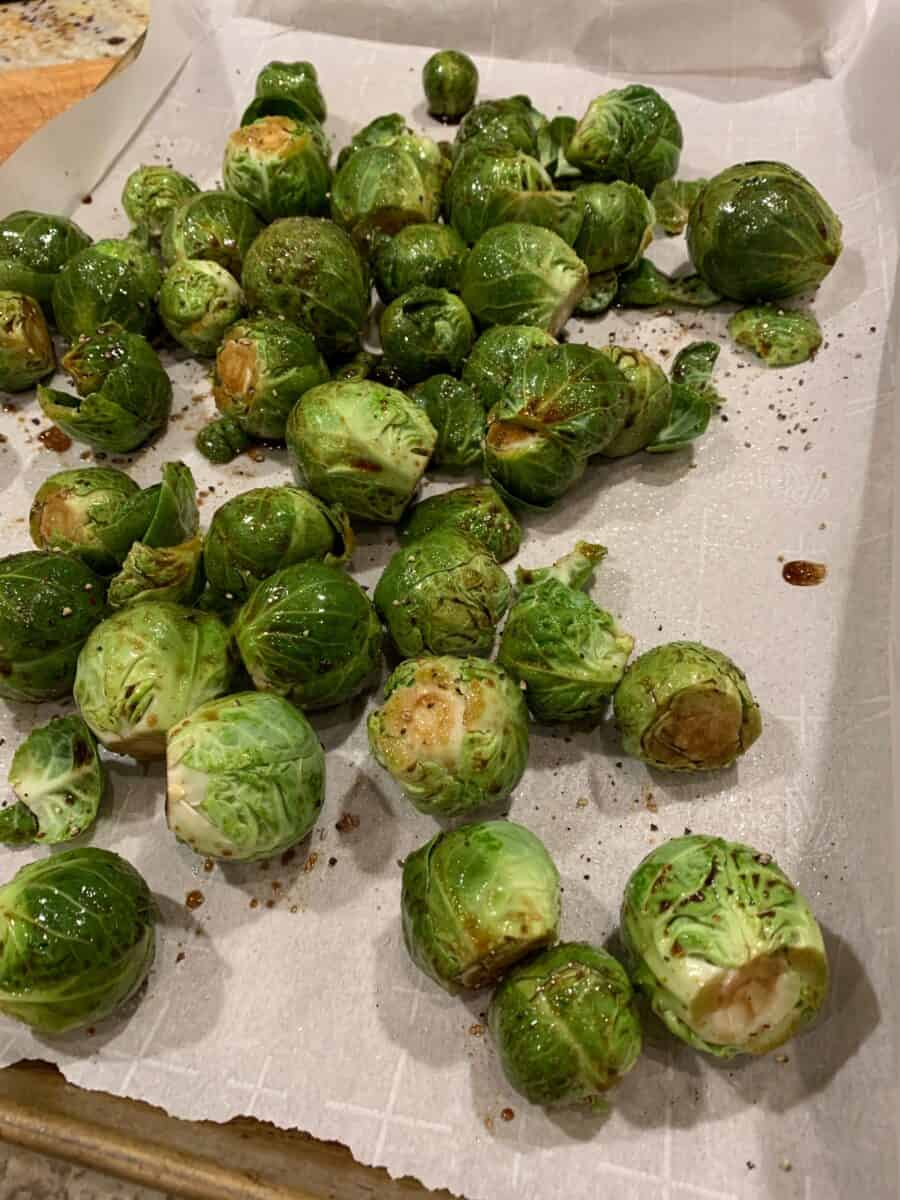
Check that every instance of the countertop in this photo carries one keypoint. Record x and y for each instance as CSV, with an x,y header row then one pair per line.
x,y
41,33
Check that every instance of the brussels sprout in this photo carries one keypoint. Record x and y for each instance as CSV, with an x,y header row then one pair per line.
x,y
425,331
78,937
530,467
476,900
649,401
450,81
673,200
257,533
152,193
361,445
124,395
780,337
49,603
310,633
523,275
197,303
566,1025
34,247
212,226
222,440
245,777
477,511
761,231
513,121
442,594
26,351
279,166
495,357
453,733
645,285
425,255
601,292
146,667
88,512
94,289
297,81
377,191
617,226
391,130
724,947
136,254
629,133
684,707
172,573
308,270
567,652
456,412
59,779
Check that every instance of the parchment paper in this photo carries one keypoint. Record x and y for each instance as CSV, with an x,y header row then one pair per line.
x,y
288,994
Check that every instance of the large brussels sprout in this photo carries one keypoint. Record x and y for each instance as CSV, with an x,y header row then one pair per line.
x,y
456,412
198,301
761,231
453,733
649,400
34,247
426,331
566,1024
308,270
89,512
144,669
476,900
377,191
361,445
257,533
496,356
297,81
59,779
523,275
780,337
644,286
151,193
49,603
136,254
222,440
513,121
213,226
442,594
629,133
684,707
95,289
310,633
477,511
723,946
426,255
78,939
263,366
567,652
280,166
673,200
26,351
450,81
124,395
530,467
617,225
245,777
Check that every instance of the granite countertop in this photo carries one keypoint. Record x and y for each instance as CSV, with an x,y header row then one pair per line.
x,y
40,33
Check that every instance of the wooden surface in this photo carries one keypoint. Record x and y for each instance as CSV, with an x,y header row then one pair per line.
x,y
30,98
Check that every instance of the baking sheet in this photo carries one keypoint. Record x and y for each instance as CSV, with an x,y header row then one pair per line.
x,y
288,994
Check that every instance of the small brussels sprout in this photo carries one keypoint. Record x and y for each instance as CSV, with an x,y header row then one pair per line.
x,y
566,1025
450,81
136,254
426,331
673,200
530,467
78,936
309,271
456,412
377,191
34,248
453,733
26,351
629,133
425,255
780,337
392,131
309,632
523,275
649,401
88,512
213,226
645,286
513,121
617,226
297,81
600,295
124,394
279,166
59,780
476,900
245,777
723,946
496,356
567,652
257,533
172,573
94,289
49,603
222,440
263,366
477,511
761,231
361,445
684,707
442,594
198,301
151,194
144,669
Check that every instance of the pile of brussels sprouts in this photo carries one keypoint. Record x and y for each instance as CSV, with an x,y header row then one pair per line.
x,y
208,649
